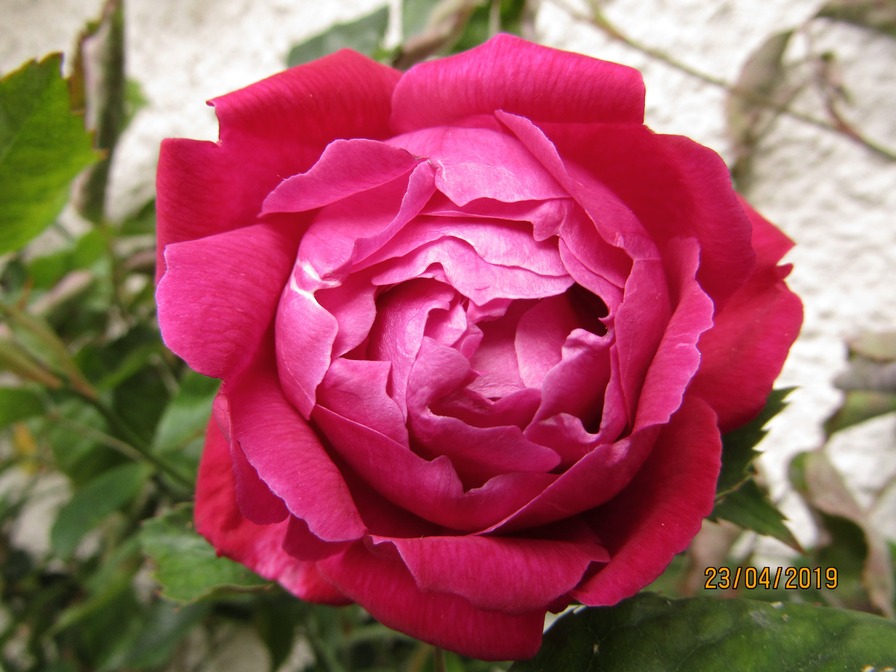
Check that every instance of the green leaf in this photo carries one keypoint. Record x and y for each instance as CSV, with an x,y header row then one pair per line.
x,y
187,414
750,508
42,341
739,445
364,35
415,15
17,404
187,566
43,147
485,22
16,359
706,634
92,503
164,628
47,270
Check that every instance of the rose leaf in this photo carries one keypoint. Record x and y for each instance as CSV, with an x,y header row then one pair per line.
x,y
739,445
43,146
364,35
750,508
18,404
92,503
187,566
650,632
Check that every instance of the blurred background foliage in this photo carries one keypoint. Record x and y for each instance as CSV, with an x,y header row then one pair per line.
x,y
101,427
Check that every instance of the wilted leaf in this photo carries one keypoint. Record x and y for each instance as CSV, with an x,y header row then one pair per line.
x,y
43,147
813,475
415,15
869,381
187,566
704,634
877,15
876,345
99,70
755,101
44,344
858,407
364,35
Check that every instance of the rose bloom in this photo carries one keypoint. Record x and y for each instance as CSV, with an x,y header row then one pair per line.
x,y
479,332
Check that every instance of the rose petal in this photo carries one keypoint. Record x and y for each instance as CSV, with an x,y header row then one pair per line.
x,y
595,479
457,264
677,357
256,501
432,489
338,239
403,315
219,520
373,164
220,293
638,326
357,390
508,73
659,513
271,129
302,544
305,334
510,575
387,590
744,351
287,454
476,163
674,186
540,334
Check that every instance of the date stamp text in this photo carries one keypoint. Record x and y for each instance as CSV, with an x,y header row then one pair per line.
x,y
770,578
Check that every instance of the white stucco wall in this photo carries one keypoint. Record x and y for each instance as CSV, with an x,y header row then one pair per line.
x,y
833,197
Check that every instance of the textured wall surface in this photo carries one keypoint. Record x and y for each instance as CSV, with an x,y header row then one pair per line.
x,y
835,198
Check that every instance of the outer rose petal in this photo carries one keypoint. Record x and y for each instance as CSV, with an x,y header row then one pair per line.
x,y
219,520
511,575
661,510
269,130
287,454
508,73
676,187
385,588
220,294
744,351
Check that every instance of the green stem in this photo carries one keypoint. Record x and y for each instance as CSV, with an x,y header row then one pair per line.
x,y
438,659
133,447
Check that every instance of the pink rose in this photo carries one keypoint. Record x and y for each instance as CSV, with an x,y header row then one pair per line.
x,y
479,332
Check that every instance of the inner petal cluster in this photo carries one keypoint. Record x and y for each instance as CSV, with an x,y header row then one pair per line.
x,y
448,326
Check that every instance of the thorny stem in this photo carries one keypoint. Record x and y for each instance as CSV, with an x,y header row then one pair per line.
x,y
598,20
